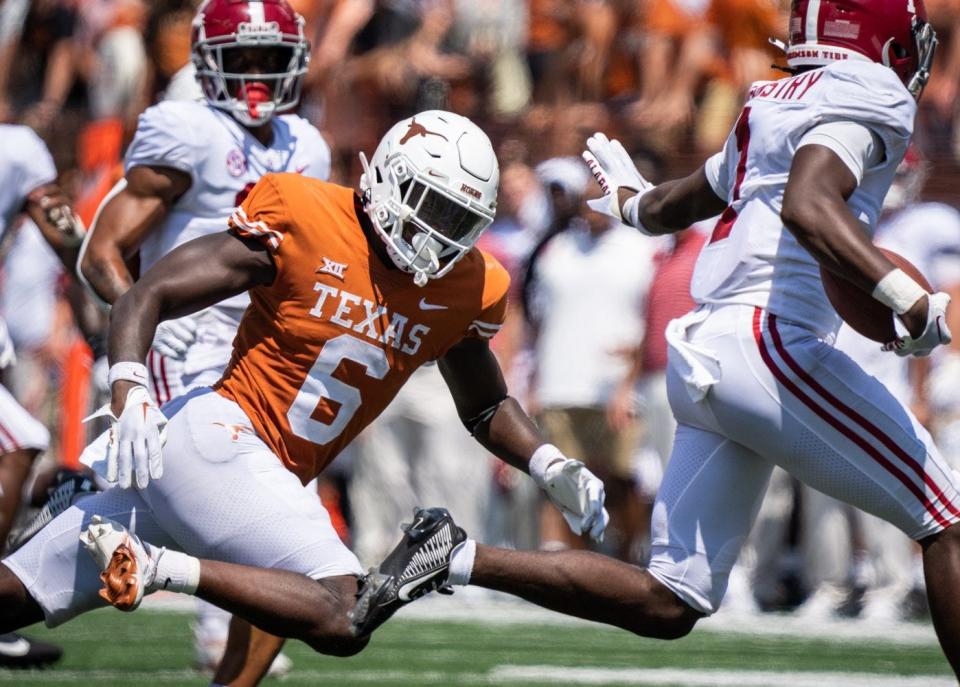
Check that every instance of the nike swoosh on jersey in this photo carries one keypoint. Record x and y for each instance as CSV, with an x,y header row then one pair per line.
x,y
15,649
431,306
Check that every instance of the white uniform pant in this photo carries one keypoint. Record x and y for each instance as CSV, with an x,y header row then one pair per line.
x,y
18,428
779,396
223,495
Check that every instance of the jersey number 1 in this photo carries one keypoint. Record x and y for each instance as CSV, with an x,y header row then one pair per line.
x,y
321,384
729,216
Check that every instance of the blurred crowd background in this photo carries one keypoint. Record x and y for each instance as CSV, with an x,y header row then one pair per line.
x,y
583,348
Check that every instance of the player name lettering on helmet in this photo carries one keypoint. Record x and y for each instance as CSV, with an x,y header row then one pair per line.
x,y
346,312
787,89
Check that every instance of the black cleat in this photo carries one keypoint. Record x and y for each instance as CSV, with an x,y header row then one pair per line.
x,y
69,487
416,566
16,651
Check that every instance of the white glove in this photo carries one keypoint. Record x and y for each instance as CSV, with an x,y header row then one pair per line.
x,y
136,440
613,169
173,337
936,332
572,488
7,354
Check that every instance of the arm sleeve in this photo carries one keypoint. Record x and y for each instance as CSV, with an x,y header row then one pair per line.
x,y
855,144
263,215
164,138
494,306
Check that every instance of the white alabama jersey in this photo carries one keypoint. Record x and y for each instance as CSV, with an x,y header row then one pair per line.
x,y
751,258
25,164
224,161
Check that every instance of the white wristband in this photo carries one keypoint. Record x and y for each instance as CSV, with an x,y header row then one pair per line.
x,y
631,213
129,372
898,291
541,460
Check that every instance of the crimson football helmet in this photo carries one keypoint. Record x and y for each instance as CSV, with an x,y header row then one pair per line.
x,y
251,56
894,33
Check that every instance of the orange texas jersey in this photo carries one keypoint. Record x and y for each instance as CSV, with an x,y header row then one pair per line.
x,y
322,350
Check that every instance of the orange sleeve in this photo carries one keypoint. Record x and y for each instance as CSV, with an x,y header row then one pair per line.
x,y
496,284
263,214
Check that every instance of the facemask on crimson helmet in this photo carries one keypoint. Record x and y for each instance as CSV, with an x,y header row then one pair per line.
x,y
894,33
430,189
250,57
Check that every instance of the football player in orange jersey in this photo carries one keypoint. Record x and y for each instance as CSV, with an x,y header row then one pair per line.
x,y
349,295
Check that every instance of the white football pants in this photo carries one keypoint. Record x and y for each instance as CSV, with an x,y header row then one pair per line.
x,y
751,391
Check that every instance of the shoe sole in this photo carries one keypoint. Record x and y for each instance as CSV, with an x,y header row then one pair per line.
x,y
121,580
369,600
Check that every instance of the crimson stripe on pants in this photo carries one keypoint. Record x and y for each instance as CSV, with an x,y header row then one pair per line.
x,y
163,376
151,363
859,419
837,425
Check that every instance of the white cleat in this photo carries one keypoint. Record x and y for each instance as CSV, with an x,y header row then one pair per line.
x,y
126,568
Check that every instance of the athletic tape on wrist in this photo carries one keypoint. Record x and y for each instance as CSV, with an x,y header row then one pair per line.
x,y
128,372
898,291
631,210
541,459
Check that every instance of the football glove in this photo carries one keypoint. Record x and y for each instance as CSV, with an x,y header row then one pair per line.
x,y
613,169
572,488
936,333
134,450
173,337
7,354
56,208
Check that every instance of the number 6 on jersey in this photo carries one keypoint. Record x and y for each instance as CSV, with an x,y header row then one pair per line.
x,y
321,384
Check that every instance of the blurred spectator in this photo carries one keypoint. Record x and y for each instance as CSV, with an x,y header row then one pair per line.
x,y
588,288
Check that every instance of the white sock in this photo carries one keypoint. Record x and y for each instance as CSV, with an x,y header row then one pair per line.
x,y
177,572
461,562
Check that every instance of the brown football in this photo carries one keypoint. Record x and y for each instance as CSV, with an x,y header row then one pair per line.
x,y
862,311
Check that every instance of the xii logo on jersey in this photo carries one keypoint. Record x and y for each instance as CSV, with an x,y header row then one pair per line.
x,y
330,267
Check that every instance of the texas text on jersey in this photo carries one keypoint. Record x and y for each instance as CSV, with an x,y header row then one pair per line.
x,y
324,348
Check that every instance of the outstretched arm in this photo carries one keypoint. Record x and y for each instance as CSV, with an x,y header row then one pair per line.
x,y
494,418
676,204
628,197
191,277
499,423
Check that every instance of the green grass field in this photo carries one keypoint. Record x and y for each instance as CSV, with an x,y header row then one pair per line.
x,y
107,649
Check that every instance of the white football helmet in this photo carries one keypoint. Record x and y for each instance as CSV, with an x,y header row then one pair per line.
x,y
430,190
